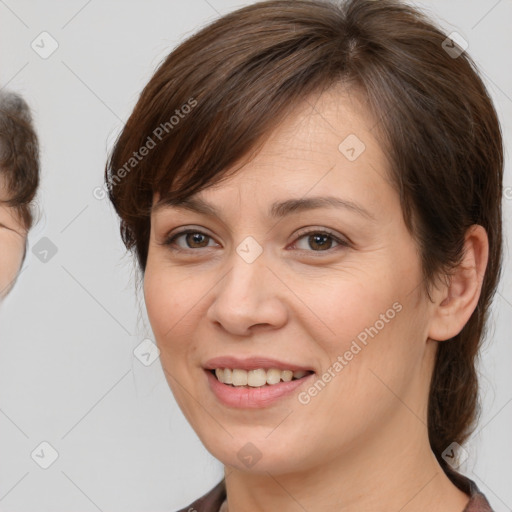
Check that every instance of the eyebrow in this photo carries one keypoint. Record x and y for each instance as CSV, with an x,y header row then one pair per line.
x,y
277,210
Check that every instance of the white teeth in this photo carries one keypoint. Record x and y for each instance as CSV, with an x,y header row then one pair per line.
x,y
273,376
287,375
299,373
256,378
228,376
239,378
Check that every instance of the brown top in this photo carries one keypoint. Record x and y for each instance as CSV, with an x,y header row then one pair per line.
x,y
214,499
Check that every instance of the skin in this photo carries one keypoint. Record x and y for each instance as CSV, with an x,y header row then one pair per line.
x,y
362,442
12,242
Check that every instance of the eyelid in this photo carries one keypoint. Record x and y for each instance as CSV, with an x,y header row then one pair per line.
x,y
311,230
342,241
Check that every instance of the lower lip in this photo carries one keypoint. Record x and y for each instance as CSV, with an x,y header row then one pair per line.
x,y
253,398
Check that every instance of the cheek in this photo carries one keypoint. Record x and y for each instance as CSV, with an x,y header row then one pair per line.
x,y
352,305
378,305
375,330
172,302
162,297
10,259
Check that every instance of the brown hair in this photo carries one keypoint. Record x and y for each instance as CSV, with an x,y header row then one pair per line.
x,y
19,156
436,123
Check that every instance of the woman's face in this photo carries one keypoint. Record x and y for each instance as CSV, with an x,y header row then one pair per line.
x,y
12,246
249,284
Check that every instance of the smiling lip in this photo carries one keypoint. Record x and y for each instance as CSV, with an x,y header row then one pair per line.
x,y
253,398
251,363
249,397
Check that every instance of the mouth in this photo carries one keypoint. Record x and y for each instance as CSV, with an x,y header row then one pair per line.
x,y
249,389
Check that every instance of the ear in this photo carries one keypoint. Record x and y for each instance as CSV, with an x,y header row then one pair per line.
x,y
454,304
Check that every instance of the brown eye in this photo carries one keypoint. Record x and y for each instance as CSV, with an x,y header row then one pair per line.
x,y
317,241
193,239
320,241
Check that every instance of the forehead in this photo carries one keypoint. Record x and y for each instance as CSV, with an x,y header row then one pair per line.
x,y
326,146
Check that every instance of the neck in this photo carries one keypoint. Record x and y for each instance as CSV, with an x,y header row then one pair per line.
x,y
401,474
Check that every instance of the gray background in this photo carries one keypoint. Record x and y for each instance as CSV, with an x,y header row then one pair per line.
x,y
68,375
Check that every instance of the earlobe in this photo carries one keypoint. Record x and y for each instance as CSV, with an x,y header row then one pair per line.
x,y
455,303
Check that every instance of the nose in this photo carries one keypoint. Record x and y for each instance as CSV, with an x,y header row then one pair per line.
x,y
249,297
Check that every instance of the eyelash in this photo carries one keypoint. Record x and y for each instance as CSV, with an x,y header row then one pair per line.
x,y
170,241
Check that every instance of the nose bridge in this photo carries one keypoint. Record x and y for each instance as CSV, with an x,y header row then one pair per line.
x,y
247,277
245,296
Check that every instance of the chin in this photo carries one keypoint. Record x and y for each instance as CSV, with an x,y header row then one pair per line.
x,y
255,454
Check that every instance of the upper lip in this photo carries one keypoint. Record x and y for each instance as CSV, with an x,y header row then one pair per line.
x,y
252,363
